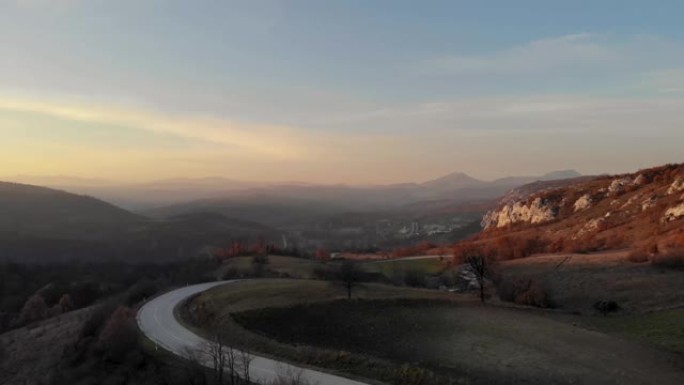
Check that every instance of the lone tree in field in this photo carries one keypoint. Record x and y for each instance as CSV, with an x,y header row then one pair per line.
x,y
481,267
349,274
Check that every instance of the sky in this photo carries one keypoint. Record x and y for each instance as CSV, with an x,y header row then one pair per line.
x,y
353,91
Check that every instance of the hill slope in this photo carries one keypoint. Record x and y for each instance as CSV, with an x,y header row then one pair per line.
x,y
606,212
39,211
39,224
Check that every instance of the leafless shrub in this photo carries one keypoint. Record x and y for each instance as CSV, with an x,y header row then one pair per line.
x,y
289,375
605,307
482,268
229,365
524,291
349,275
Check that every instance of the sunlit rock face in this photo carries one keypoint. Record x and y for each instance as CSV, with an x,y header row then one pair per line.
x,y
648,204
676,186
640,180
534,212
583,203
618,185
674,213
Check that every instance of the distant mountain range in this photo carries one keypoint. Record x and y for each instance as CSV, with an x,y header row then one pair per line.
x,y
145,196
39,224
179,218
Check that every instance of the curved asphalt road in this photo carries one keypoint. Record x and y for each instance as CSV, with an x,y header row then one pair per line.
x,y
157,321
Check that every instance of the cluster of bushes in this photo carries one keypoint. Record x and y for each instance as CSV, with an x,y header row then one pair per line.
x,y
30,293
669,259
502,248
108,350
524,291
605,307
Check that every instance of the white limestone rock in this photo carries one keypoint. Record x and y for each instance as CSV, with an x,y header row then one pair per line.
x,y
535,212
583,203
618,185
674,213
648,203
676,186
640,180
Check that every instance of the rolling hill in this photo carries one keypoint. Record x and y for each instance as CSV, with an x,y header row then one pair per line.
x,y
636,210
39,224
39,211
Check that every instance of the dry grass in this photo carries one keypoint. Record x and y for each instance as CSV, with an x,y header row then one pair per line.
x,y
577,281
288,266
485,344
31,353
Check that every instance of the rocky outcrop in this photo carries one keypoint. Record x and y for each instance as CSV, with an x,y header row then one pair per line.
x,y
583,203
640,180
618,185
648,203
591,226
602,212
676,186
535,212
674,213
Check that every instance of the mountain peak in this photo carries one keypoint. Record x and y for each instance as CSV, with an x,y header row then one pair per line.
x,y
454,180
561,174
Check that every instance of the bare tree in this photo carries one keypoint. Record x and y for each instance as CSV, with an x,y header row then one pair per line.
x,y
481,267
195,371
228,365
244,363
259,263
349,274
289,375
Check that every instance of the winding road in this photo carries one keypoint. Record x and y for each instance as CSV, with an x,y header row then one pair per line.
x,y
157,321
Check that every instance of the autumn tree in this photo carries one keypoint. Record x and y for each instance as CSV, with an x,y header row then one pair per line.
x,y
65,303
119,334
322,254
35,309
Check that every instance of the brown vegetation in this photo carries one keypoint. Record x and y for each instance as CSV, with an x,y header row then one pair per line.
x,y
630,217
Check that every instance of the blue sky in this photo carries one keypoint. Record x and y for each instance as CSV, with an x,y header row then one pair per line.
x,y
338,91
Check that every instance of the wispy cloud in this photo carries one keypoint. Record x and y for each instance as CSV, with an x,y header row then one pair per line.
x,y
274,141
563,51
670,81
575,55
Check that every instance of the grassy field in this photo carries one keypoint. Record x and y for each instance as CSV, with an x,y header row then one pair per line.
x,y
257,294
397,267
409,336
663,329
224,302
577,281
287,266
29,354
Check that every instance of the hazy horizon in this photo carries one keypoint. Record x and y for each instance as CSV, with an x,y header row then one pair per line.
x,y
346,92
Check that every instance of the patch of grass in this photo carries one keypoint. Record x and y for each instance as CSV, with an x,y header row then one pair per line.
x,y
410,336
665,328
224,302
390,268
575,282
288,266
256,294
